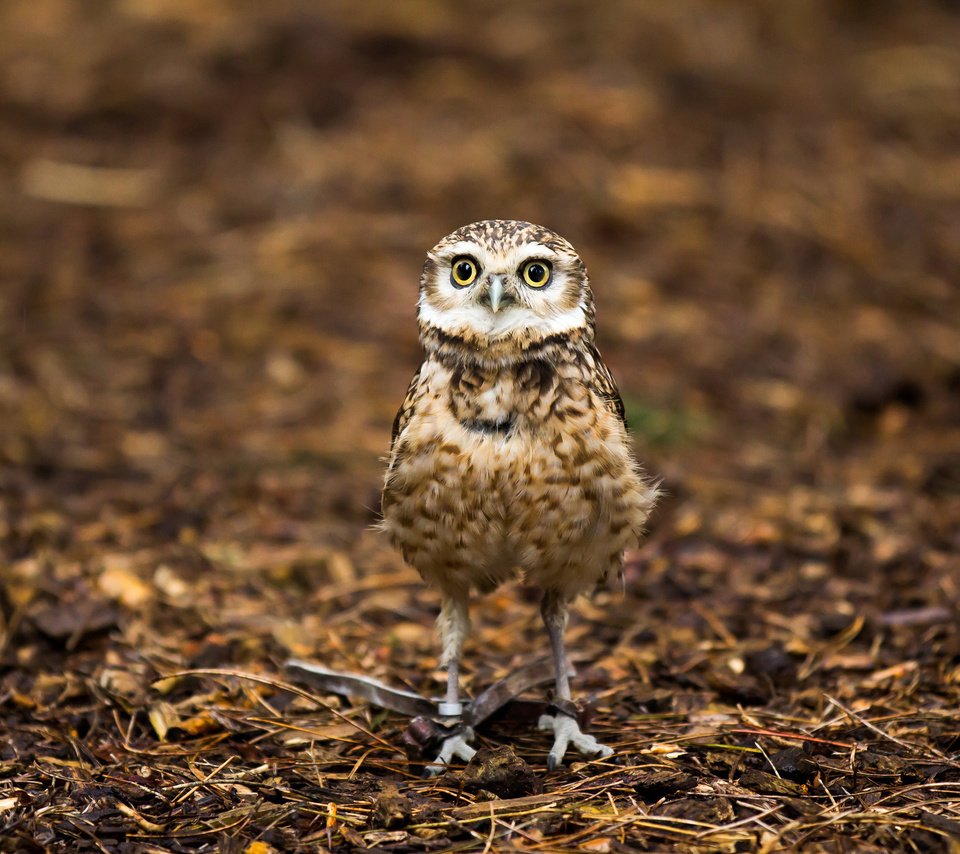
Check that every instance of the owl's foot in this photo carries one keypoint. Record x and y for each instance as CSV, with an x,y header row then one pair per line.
x,y
567,731
457,746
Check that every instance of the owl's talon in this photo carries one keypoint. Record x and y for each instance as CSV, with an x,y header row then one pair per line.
x,y
454,746
567,731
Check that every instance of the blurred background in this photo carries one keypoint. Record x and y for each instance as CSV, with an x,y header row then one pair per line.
x,y
212,221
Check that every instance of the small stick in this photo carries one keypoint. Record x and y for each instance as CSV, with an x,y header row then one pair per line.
x,y
851,714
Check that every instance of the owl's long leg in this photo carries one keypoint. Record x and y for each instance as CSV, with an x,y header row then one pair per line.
x,y
454,624
554,612
565,728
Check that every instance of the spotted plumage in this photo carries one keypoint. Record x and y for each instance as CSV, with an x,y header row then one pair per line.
x,y
510,453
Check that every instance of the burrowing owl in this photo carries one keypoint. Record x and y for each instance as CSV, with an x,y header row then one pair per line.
x,y
510,454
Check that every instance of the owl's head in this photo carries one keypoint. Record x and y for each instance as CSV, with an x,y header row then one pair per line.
x,y
503,285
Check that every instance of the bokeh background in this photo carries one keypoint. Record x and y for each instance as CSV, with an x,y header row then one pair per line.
x,y
212,220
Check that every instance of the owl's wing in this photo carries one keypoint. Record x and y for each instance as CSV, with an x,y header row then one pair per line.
x,y
406,409
605,385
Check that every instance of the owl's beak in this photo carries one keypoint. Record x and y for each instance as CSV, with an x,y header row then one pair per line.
x,y
494,296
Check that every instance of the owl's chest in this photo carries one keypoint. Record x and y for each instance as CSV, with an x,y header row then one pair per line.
x,y
492,441
501,472
509,401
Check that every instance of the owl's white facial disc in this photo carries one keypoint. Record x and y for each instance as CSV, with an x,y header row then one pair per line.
x,y
500,279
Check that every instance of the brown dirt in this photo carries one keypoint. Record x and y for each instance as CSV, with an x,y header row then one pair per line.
x,y
212,217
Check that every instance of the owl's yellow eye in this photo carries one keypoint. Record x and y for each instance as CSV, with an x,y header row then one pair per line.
x,y
536,273
463,272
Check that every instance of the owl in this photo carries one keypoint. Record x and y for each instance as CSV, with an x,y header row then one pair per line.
x,y
510,454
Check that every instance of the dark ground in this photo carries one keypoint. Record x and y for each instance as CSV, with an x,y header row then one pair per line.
x,y
212,219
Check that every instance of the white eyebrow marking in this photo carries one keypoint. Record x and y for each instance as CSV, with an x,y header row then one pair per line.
x,y
462,247
535,250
